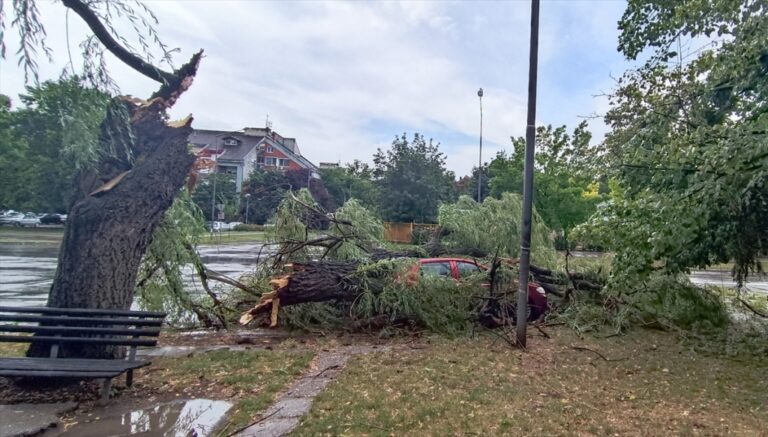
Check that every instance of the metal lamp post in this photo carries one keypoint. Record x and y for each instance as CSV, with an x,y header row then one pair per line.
x,y
480,159
530,145
247,203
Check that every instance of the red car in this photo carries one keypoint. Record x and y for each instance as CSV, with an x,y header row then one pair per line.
x,y
458,268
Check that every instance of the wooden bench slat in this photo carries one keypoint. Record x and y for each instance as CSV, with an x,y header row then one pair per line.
x,y
60,374
61,364
80,330
89,340
81,312
81,321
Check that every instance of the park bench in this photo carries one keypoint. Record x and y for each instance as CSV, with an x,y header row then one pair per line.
x,y
58,326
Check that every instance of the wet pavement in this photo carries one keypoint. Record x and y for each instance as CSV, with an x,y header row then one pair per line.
x,y
31,419
195,417
27,270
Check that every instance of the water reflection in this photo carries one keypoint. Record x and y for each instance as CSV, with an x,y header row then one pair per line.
x,y
26,271
196,417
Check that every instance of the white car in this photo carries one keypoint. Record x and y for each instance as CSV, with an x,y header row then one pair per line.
x,y
10,218
29,220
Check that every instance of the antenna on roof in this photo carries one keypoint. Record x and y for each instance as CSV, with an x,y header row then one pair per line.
x,y
268,124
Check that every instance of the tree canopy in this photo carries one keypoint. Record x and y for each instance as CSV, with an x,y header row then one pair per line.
x,y
45,141
412,180
688,147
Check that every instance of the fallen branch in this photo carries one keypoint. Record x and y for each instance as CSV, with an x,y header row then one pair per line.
x,y
583,348
753,309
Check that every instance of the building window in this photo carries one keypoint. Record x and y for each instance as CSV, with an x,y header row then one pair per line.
x,y
284,162
270,161
230,142
269,149
260,160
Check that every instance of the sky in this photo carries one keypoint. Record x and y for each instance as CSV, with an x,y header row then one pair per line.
x,y
344,78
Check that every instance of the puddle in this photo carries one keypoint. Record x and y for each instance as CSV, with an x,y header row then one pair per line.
x,y
196,417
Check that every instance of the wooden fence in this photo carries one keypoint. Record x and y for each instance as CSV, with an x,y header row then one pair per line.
x,y
403,232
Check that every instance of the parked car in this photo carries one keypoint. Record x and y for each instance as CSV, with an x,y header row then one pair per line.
x,y
458,268
10,218
28,220
51,219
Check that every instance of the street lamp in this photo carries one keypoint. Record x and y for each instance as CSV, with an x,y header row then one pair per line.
x,y
247,202
480,159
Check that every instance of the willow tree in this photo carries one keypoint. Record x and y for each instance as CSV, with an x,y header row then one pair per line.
x,y
139,162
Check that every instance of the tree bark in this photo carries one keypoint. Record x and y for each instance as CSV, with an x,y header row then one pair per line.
x,y
119,203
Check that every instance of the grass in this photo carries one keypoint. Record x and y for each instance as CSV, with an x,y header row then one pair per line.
x,y
233,237
41,236
250,379
651,386
52,236
13,349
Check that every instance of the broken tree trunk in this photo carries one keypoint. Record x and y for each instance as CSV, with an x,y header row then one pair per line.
x,y
118,203
308,282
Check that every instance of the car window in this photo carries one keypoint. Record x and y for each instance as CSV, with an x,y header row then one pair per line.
x,y
436,269
466,269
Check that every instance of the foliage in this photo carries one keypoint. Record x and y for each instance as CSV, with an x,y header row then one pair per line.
x,y
115,15
412,180
160,284
365,232
494,227
224,187
302,178
467,186
267,189
663,301
689,146
45,142
355,181
566,190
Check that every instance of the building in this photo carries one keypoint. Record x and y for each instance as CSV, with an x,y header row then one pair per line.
x,y
239,152
329,165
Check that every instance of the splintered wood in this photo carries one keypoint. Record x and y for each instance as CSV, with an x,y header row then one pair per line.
x,y
268,301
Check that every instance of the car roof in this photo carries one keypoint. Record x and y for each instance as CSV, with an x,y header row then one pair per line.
x,y
433,260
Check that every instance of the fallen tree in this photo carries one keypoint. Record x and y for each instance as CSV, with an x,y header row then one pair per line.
x,y
347,264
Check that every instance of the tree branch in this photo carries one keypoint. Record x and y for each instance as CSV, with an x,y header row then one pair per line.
x,y
101,32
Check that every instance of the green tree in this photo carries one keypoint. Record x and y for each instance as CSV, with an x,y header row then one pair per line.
x,y
467,185
689,140
566,187
227,199
355,181
412,180
45,142
267,188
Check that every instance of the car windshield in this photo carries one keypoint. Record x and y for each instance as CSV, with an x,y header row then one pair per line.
x,y
436,269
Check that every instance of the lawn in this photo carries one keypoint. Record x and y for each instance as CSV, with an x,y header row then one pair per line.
x,y
233,237
52,236
647,384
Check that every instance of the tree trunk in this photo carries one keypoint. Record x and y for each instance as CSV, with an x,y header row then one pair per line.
x,y
118,204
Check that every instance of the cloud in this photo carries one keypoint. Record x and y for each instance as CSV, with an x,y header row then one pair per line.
x,y
345,77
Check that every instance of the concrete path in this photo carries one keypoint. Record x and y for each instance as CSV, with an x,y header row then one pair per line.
x,y
30,419
285,414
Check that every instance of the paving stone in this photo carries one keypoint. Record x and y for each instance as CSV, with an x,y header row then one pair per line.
x,y
290,407
308,387
30,419
271,428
